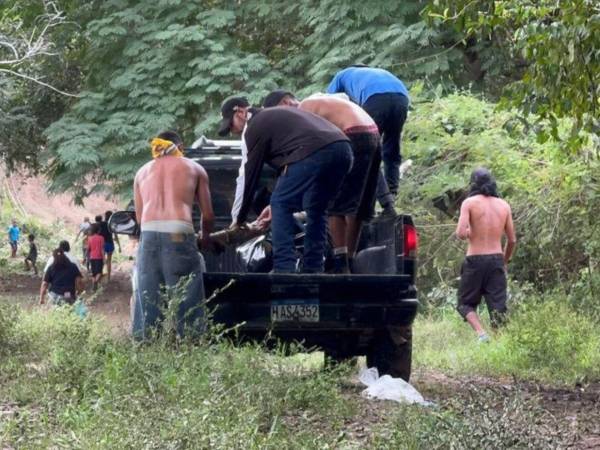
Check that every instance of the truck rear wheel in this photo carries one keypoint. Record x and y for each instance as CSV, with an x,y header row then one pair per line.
x,y
391,353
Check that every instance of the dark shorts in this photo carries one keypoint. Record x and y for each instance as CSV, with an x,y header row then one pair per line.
x,y
96,266
109,247
13,245
482,275
357,193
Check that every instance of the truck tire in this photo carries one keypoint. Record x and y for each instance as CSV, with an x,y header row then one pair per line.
x,y
391,353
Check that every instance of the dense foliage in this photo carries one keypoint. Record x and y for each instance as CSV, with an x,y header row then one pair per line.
x,y
141,66
557,42
551,194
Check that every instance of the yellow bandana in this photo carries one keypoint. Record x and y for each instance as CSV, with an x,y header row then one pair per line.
x,y
162,147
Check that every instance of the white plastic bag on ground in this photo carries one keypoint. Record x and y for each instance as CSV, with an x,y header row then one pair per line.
x,y
388,388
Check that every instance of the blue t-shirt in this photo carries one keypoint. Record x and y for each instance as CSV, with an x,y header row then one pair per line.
x,y
14,233
359,83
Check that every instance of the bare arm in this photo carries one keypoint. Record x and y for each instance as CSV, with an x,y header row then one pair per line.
x,y
511,237
43,290
116,239
206,209
137,200
463,229
79,285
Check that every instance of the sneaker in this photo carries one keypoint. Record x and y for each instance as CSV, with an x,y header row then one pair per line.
x,y
483,338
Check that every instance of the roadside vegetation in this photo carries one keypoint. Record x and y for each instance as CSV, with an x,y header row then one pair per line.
x,y
65,382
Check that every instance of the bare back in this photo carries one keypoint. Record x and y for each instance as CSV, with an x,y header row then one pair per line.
x,y
342,113
484,220
166,188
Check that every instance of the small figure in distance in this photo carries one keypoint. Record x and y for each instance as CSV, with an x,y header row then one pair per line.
x,y
31,257
14,233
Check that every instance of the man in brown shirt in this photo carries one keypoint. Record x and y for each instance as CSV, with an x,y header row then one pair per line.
x,y
311,157
356,198
484,220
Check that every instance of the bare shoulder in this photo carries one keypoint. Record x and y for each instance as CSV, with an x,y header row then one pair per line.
x,y
196,168
467,202
142,170
503,204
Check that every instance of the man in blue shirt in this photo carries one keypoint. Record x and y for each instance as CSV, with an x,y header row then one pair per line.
x,y
14,233
385,98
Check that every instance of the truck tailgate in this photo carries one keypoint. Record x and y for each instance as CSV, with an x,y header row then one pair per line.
x,y
307,301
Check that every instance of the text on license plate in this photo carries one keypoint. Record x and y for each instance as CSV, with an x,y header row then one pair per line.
x,y
295,311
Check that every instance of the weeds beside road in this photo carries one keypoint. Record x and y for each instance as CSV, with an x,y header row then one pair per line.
x,y
65,382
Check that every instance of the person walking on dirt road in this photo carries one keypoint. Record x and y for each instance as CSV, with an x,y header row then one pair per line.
x,y
62,281
14,234
484,220
31,258
96,253
84,232
165,190
385,98
109,241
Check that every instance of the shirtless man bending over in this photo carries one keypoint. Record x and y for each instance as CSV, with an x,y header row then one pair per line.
x,y
356,198
165,190
484,219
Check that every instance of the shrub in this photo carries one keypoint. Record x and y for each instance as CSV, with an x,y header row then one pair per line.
x,y
553,339
553,194
545,340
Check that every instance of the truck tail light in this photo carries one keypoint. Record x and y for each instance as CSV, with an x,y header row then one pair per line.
x,y
411,241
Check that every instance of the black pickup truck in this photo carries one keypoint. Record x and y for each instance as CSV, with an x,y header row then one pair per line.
x,y
369,312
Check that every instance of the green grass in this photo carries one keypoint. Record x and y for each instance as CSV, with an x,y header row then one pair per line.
x,y
66,383
74,386
545,340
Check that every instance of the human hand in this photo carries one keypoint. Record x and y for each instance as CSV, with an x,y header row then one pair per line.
x,y
263,222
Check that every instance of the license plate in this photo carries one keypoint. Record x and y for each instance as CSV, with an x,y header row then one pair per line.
x,y
295,311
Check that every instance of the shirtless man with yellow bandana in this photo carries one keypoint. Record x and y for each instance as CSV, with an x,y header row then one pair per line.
x,y
165,190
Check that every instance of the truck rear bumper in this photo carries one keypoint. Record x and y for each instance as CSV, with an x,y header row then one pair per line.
x,y
342,303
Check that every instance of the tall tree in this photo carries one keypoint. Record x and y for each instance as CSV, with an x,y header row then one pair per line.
x,y
560,44
155,65
37,77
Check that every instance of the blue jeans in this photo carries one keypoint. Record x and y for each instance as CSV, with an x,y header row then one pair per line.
x,y
162,260
310,185
389,112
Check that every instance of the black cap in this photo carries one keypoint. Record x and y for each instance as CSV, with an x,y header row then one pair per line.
x,y
228,110
273,98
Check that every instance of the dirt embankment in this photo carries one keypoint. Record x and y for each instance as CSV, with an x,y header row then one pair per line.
x,y
30,197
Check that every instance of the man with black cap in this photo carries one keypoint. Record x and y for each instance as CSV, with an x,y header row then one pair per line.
x,y
311,156
484,220
385,98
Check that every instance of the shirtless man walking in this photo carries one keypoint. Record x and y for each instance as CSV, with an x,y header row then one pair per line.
x,y
484,219
356,198
165,190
